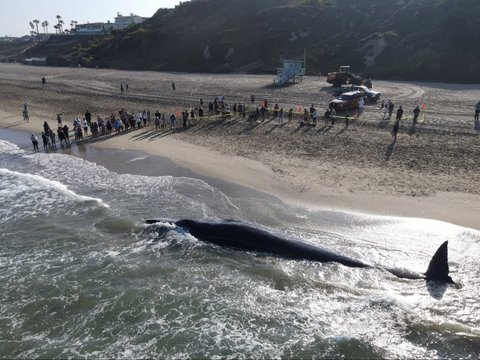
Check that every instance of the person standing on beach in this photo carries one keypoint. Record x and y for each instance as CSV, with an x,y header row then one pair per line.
x,y
173,86
122,90
399,113
305,117
34,142
51,134
173,122
275,111
416,113
477,114
85,126
66,135
391,107
46,128
26,116
88,117
385,109
326,116
314,118
59,119
45,141
252,99
361,106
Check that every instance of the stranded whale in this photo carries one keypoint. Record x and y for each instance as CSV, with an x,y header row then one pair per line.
x,y
246,236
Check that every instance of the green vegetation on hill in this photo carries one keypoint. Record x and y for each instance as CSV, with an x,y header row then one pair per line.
x,y
435,40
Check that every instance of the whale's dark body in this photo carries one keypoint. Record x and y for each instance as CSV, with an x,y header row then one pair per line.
x,y
249,237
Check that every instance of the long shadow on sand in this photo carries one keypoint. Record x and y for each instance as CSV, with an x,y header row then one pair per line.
x,y
13,124
269,131
341,131
249,128
324,129
389,152
297,129
384,123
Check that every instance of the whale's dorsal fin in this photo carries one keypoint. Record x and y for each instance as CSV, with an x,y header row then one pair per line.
x,y
438,267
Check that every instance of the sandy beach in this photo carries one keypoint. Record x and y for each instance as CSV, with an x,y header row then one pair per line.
x,y
432,173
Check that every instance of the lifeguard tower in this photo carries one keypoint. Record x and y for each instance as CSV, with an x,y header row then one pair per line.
x,y
291,70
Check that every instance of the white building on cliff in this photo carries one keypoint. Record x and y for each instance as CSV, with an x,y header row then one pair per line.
x,y
99,28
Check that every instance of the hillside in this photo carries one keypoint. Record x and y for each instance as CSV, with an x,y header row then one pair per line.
x,y
434,40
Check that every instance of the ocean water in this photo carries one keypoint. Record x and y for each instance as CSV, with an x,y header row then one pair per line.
x,y
82,276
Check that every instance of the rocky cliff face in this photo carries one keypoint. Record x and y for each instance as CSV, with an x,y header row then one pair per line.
x,y
433,40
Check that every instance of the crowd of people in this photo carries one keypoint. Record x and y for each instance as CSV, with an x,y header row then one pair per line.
x,y
125,121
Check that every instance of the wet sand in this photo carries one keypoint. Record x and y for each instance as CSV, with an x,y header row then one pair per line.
x,y
432,173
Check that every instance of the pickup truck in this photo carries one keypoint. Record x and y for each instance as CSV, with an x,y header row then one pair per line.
x,y
370,96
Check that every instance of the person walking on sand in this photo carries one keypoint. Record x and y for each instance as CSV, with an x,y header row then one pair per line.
x,y
477,114
399,113
416,113
34,142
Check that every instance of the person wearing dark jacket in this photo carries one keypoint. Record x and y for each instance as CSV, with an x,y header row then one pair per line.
x,y
399,113
416,113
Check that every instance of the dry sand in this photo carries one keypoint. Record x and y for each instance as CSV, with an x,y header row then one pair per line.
x,y
433,173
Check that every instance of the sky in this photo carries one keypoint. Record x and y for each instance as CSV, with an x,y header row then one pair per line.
x,y
15,15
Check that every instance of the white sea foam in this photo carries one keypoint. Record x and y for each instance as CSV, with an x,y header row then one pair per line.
x,y
32,183
9,148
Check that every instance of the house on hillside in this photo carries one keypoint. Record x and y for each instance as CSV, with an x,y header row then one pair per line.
x,y
97,28
122,22
101,28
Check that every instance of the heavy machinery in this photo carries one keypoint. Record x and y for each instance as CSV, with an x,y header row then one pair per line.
x,y
344,76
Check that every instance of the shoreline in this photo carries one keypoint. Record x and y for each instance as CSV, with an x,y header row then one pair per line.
x,y
456,208
431,174
258,179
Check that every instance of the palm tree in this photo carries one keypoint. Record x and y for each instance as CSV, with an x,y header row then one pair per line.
x,y
31,25
60,22
56,27
46,25
36,22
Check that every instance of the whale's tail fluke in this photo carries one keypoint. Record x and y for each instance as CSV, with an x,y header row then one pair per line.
x,y
438,267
